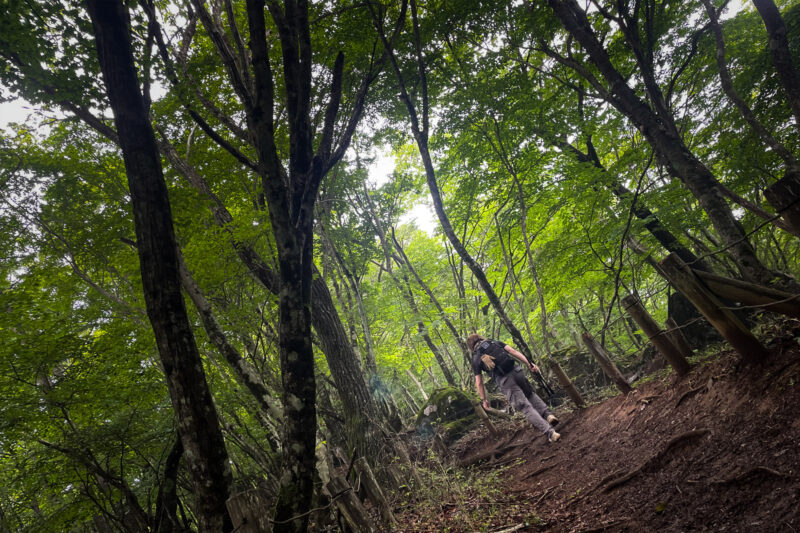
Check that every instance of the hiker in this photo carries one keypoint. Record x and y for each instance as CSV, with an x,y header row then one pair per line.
x,y
497,359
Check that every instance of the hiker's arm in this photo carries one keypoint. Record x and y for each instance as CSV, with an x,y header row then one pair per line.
x,y
522,359
481,390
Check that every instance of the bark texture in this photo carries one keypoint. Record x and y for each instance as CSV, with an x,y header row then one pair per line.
x,y
198,424
779,53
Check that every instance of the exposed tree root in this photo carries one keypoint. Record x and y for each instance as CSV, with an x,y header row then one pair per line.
x,y
688,393
612,482
543,496
752,471
615,523
539,471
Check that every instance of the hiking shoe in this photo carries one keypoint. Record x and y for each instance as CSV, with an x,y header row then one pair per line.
x,y
552,420
553,437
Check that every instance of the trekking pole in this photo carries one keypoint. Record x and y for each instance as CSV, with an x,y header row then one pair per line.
x,y
539,379
543,384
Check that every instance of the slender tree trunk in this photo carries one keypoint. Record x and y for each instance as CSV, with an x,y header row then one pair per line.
x,y
418,384
346,302
369,360
531,264
779,52
576,339
405,288
446,319
245,373
419,128
510,268
652,223
360,409
733,95
166,516
198,423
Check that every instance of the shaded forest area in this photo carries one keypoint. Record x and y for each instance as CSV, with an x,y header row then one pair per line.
x,y
219,316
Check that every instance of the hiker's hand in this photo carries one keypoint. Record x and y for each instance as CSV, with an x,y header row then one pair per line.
x,y
486,404
534,369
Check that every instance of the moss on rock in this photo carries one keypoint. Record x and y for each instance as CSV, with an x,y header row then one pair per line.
x,y
451,410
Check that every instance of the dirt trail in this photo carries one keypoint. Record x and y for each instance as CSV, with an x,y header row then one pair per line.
x,y
718,450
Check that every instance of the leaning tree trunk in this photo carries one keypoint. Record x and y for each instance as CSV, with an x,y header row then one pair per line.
x,y
198,423
405,288
244,372
420,130
779,52
665,139
652,223
361,412
445,318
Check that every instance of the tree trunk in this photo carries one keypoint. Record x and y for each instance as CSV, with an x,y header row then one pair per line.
x,y
374,491
418,384
198,423
663,136
779,52
166,516
723,319
531,265
514,282
247,511
419,129
784,195
730,91
606,363
566,383
245,373
458,338
656,335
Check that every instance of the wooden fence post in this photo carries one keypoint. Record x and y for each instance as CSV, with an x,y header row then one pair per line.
x,y
730,327
678,338
606,363
784,195
566,383
250,511
348,503
656,335
374,491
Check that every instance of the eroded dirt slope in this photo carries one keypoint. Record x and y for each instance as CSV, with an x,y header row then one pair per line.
x,y
718,450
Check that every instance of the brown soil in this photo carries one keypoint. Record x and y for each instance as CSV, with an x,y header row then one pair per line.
x,y
717,450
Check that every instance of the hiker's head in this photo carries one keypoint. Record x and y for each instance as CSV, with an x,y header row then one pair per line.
x,y
472,340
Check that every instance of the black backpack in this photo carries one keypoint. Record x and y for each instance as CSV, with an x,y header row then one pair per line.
x,y
503,362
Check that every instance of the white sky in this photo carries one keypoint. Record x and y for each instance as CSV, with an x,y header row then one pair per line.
x,y
14,111
380,171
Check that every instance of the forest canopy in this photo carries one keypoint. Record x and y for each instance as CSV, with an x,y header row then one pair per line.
x,y
205,282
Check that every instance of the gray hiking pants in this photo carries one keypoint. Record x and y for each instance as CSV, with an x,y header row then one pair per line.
x,y
534,409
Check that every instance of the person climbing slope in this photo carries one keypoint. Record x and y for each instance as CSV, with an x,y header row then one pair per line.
x,y
497,359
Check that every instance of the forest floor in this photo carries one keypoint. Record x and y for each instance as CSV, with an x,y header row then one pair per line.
x,y
717,450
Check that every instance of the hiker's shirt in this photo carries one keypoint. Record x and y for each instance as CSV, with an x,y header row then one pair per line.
x,y
490,356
